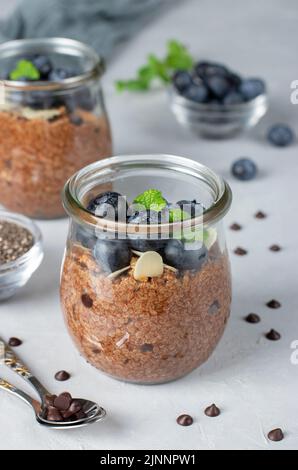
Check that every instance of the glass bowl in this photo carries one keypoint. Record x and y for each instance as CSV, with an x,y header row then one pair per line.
x,y
16,274
216,120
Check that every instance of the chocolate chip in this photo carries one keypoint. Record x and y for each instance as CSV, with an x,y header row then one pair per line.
x,y
146,347
276,435
87,301
14,342
240,251
252,318
62,375
274,248
260,215
49,400
273,335
214,307
75,119
53,414
63,401
273,304
235,227
184,420
212,411
75,406
80,415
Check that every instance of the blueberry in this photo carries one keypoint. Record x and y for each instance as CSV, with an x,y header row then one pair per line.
x,y
218,85
250,88
233,97
148,218
59,73
177,255
84,237
280,135
82,98
244,169
193,207
109,204
182,80
44,66
112,255
204,69
197,93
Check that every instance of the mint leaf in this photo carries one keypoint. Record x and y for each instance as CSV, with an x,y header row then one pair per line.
x,y
177,215
25,69
178,56
152,199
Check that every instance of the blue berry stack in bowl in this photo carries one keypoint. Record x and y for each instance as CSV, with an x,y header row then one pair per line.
x,y
213,101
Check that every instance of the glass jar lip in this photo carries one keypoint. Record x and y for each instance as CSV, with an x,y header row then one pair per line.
x,y
56,45
210,215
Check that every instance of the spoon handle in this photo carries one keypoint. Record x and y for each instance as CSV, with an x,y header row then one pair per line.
x,y
8,387
10,359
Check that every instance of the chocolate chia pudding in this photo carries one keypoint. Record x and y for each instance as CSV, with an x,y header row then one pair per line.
x,y
145,283
40,150
151,331
52,120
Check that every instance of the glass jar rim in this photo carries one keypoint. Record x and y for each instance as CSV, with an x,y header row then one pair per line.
x,y
53,45
217,210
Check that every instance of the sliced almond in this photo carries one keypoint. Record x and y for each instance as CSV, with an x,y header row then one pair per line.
x,y
117,273
45,114
170,268
149,264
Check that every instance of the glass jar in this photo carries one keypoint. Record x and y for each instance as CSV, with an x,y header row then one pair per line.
x,y
49,129
139,306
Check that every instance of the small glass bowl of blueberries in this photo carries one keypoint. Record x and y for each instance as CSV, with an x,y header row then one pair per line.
x,y
214,101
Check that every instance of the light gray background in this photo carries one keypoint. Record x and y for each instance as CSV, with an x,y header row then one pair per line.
x,y
250,378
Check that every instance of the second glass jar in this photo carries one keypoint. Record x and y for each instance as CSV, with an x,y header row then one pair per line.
x,y
49,129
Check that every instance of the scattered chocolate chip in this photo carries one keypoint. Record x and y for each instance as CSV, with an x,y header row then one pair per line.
x,y
53,414
276,435
184,420
273,335
214,307
235,227
75,119
273,304
49,400
62,375
252,318
86,300
212,411
260,215
14,342
274,248
63,401
240,251
146,347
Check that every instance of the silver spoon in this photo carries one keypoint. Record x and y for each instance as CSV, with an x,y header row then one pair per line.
x,y
96,414
92,410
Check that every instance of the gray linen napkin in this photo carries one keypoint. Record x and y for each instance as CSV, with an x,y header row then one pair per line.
x,y
102,24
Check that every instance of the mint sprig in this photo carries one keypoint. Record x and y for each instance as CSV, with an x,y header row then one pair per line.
x,y
24,69
151,199
178,215
177,57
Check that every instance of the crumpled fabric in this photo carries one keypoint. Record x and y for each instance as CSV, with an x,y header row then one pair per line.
x,y
103,24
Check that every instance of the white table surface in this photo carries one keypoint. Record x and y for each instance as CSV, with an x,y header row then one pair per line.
x,y
250,378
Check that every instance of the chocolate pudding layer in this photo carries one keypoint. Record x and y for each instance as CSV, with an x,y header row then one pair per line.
x,y
151,331
40,150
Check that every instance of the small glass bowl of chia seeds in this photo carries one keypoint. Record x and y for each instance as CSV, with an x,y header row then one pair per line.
x,y
21,251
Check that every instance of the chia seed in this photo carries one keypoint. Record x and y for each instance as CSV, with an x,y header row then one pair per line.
x,y
15,241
